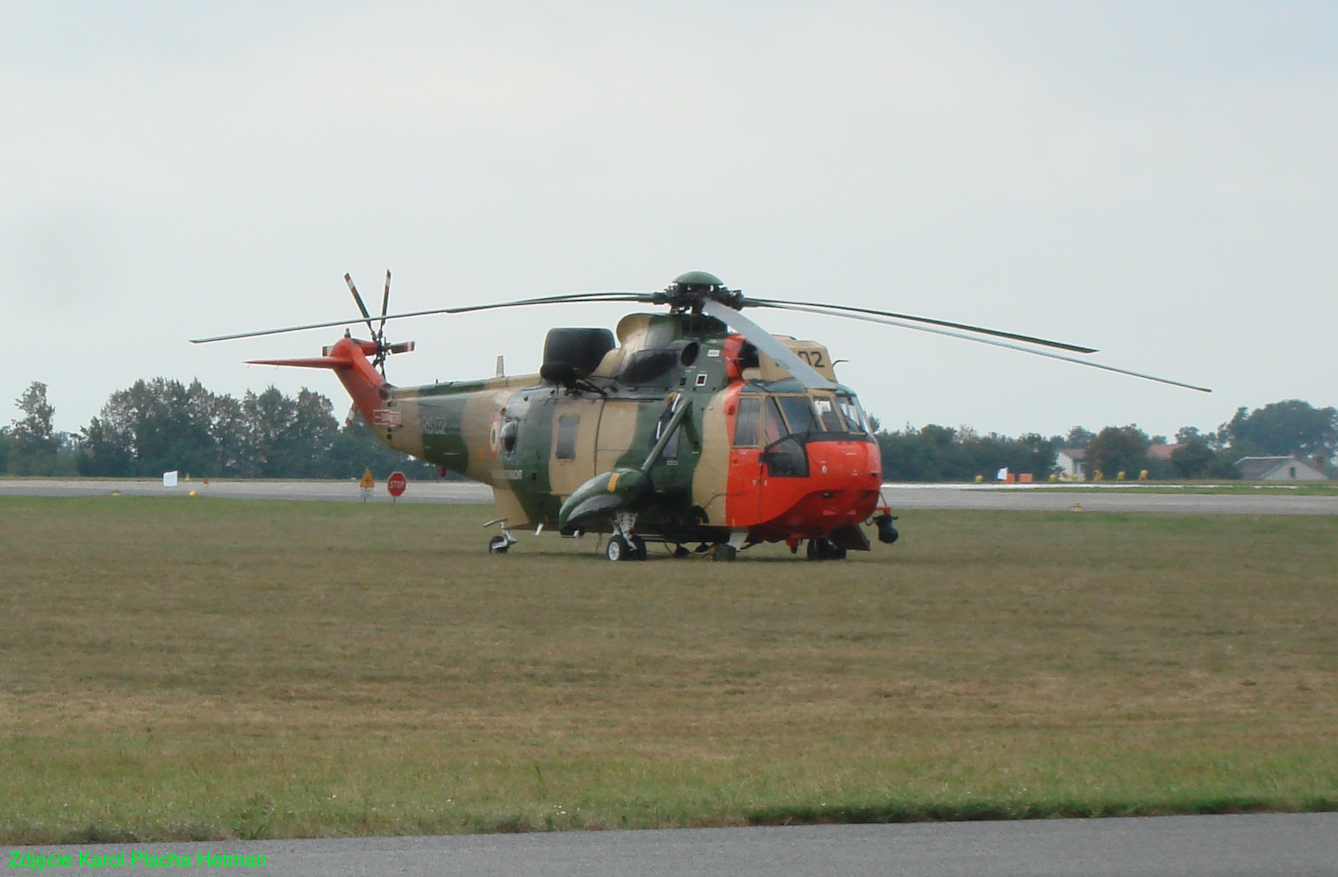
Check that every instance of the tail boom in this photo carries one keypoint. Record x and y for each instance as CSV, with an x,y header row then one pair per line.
x,y
348,359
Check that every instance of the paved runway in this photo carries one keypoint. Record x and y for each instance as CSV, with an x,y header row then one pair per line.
x,y
903,497
1108,499
331,491
1295,845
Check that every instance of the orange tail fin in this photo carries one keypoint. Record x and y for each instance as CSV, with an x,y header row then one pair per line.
x,y
348,359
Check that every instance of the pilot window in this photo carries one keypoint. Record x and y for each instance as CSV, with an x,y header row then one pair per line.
x,y
745,424
831,421
799,413
566,437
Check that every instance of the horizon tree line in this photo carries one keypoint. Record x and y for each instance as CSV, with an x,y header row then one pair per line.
x,y
161,425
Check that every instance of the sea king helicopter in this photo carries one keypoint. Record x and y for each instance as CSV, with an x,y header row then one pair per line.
x,y
691,427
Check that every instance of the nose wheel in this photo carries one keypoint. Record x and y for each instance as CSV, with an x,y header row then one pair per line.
x,y
499,544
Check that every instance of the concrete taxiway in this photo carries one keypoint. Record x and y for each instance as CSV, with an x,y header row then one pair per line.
x,y
1297,845
903,497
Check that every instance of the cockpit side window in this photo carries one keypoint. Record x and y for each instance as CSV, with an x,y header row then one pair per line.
x,y
831,421
854,414
745,424
800,415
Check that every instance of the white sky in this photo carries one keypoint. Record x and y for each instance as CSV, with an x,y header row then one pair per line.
x,y
1155,180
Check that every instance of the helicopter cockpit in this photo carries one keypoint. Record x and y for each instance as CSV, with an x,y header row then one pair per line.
x,y
783,424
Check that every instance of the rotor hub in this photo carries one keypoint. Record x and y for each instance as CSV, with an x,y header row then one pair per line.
x,y
690,291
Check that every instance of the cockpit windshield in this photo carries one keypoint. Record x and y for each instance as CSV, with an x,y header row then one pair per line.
x,y
799,414
780,416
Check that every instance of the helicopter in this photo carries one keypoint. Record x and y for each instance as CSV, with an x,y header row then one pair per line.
x,y
691,426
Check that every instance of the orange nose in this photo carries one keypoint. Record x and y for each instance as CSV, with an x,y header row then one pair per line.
x,y
841,489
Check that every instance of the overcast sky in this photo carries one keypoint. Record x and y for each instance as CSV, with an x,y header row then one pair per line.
x,y
1157,180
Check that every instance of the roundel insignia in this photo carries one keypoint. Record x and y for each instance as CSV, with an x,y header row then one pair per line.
x,y
494,434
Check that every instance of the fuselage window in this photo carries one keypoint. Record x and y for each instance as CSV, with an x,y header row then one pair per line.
x,y
799,413
670,451
831,421
745,425
566,437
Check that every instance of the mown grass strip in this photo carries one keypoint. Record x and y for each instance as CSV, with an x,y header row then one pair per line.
x,y
199,669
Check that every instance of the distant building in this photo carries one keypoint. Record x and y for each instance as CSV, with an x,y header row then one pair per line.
x,y
1069,462
1278,469
1163,452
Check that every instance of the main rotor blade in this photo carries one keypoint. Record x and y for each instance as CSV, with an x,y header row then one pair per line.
x,y
385,303
578,297
1087,362
362,307
793,305
771,346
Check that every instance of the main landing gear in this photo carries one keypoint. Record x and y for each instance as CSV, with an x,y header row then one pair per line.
x,y
824,549
622,548
623,543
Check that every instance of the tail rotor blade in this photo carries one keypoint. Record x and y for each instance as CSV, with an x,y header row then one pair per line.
x,y
385,303
362,307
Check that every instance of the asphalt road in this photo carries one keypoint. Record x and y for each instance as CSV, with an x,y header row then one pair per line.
x,y
1295,845
905,497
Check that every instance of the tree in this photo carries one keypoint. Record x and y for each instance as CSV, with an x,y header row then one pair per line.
x,y
159,425
1078,437
35,433
941,453
289,438
1287,427
1117,449
156,426
34,442
1193,459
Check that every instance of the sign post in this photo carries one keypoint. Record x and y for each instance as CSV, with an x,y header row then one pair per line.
x,y
366,485
396,484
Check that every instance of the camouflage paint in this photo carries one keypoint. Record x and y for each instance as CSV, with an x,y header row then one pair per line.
x,y
505,432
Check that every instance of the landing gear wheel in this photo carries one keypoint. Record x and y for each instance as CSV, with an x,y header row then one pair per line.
x,y
681,551
823,549
723,551
498,545
619,549
638,548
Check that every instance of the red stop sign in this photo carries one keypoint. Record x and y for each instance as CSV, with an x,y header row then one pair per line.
x,y
396,483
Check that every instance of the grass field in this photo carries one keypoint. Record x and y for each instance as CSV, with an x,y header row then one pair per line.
x,y
175,668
